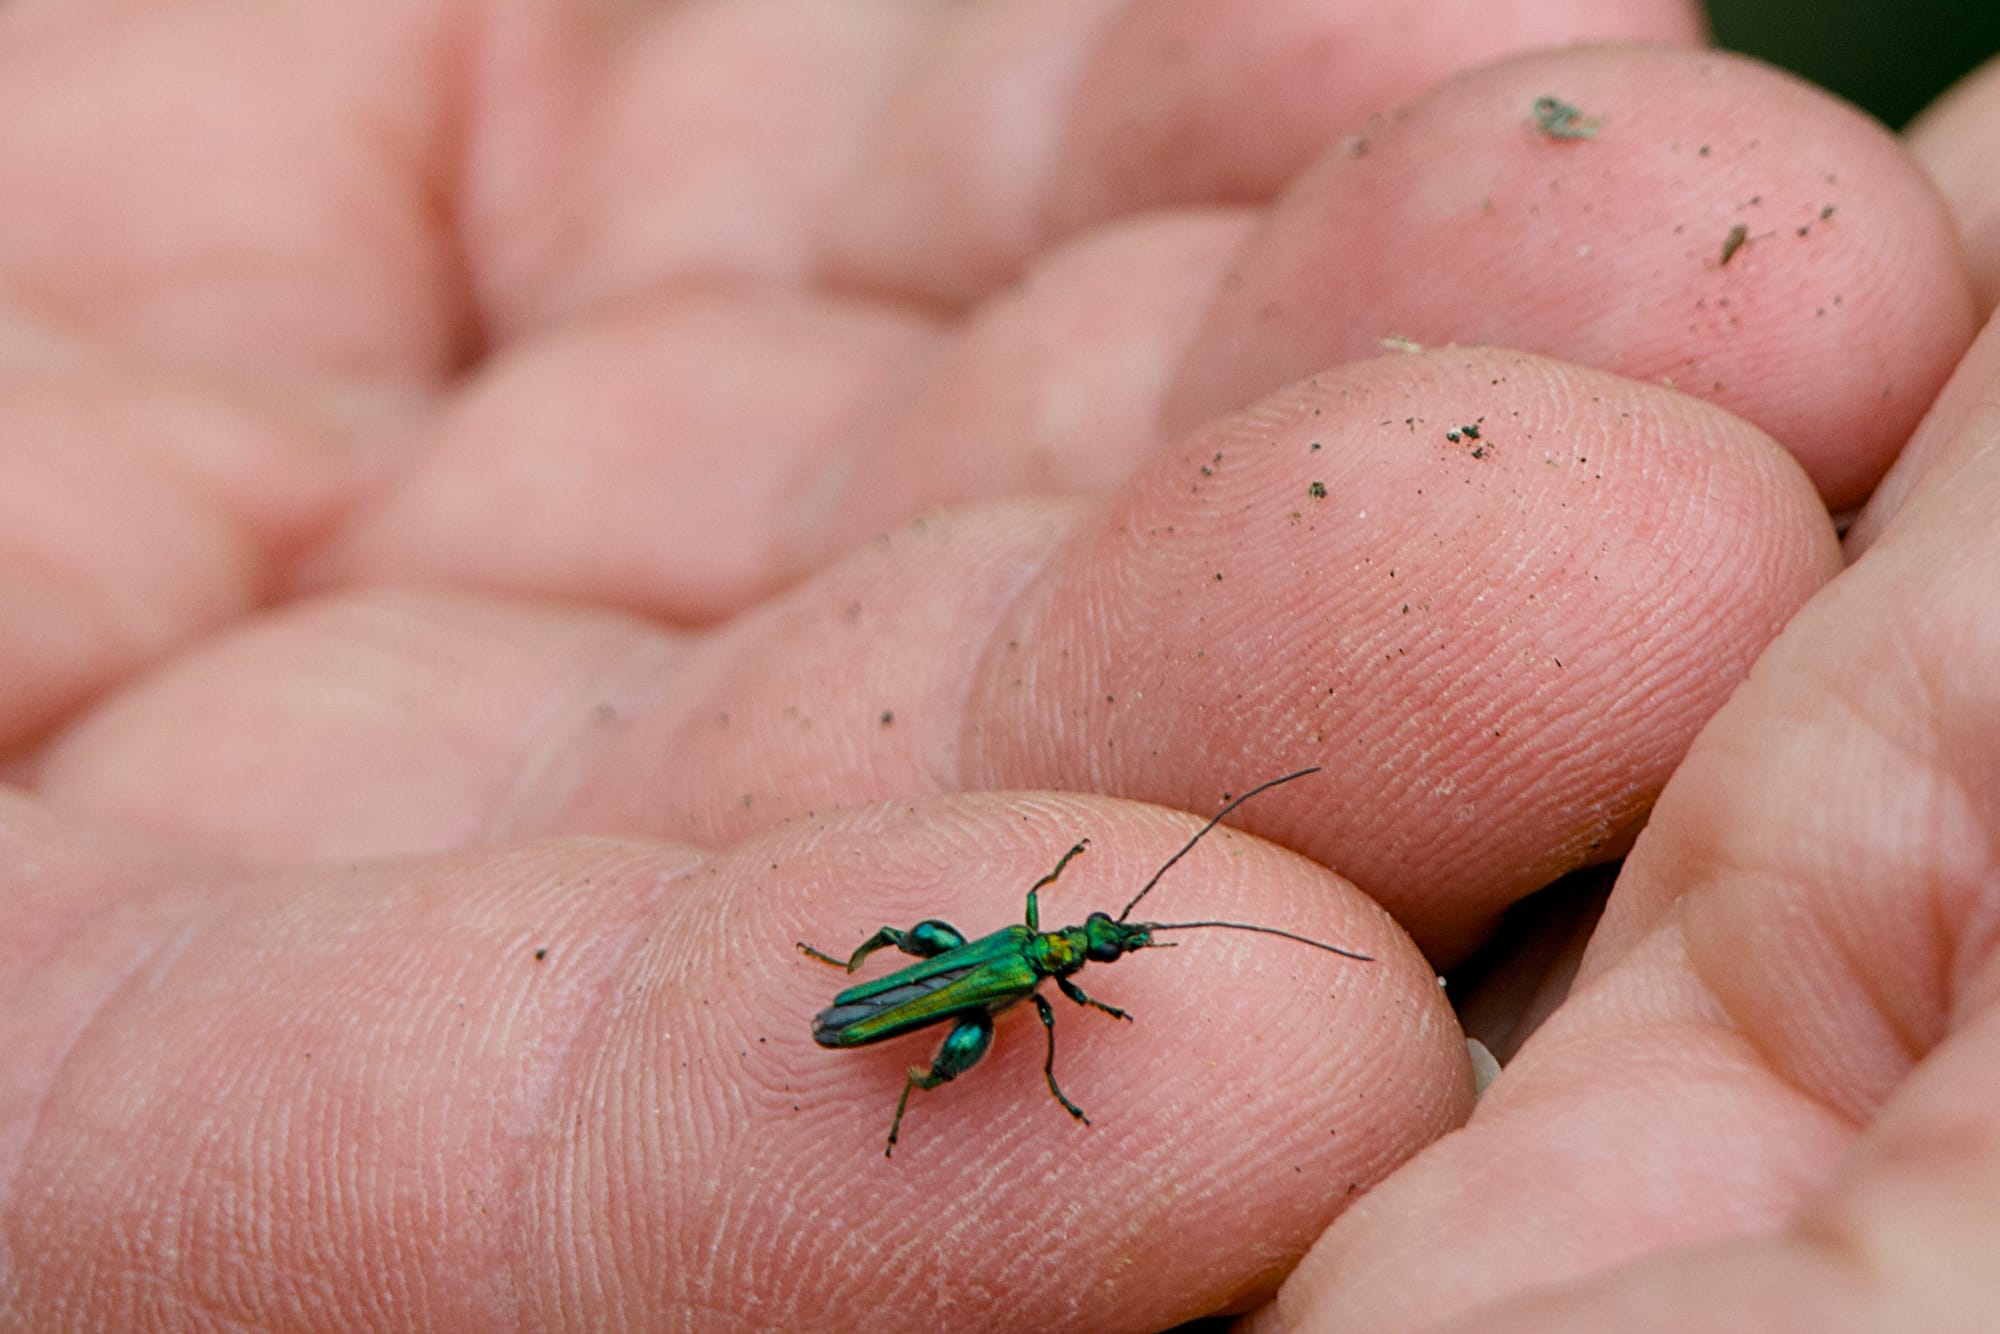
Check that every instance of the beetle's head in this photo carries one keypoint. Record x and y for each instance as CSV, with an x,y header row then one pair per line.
x,y
1105,939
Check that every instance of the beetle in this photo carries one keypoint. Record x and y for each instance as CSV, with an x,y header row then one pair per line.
x,y
966,983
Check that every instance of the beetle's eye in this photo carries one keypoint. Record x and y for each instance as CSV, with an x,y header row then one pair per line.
x,y
1098,917
1105,949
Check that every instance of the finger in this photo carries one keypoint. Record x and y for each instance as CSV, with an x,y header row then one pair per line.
x,y
1893,1242
1634,1120
613,443
277,227
1832,339
586,1067
1497,645
1801,934
153,264
705,482
923,152
1183,101
1954,139
1946,446
384,722
1949,139
1724,228
601,157
138,512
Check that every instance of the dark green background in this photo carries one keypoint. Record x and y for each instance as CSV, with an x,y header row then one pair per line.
x,y
1890,56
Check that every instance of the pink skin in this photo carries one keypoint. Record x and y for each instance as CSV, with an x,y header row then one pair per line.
x,y
444,522
1948,140
1786,1022
1454,226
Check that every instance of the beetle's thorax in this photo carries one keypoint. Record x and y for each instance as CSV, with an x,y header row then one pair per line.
x,y
1098,940
1059,953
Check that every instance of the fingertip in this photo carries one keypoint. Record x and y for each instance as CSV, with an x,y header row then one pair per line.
x,y
1451,624
1726,229
1264,1082
1180,103
1956,139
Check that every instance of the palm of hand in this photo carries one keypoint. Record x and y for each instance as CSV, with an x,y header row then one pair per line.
x,y
512,470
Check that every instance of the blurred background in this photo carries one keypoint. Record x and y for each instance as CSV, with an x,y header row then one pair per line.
x,y
1890,58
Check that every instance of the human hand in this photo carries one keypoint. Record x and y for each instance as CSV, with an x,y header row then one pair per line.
x,y
261,1072
1768,1100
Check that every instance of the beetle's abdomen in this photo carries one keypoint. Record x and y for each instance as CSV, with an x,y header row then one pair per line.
x,y
828,1022
831,1023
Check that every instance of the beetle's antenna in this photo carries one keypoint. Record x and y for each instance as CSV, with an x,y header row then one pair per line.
x,y
1269,931
1261,787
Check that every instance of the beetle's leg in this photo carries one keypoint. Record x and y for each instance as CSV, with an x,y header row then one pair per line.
x,y
925,939
1076,993
963,1046
1034,905
1049,1066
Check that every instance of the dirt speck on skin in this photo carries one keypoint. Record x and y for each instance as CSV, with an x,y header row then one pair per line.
x,y
1733,243
1557,119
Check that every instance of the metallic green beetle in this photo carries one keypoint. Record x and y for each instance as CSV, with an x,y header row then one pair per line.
x,y
966,982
